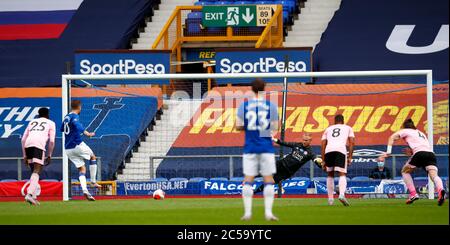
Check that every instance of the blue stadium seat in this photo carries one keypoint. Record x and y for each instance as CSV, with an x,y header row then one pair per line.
x,y
360,178
320,179
218,179
300,178
159,179
178,179
197,179
397,177
240,179
74,180
8,180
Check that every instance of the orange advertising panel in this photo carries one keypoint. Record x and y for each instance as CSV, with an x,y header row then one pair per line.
x,y
373,116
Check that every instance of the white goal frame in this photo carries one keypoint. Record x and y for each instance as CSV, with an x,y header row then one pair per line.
x,y
67,79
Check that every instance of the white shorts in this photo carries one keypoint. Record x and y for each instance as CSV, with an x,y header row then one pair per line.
x,y
80,153
254,164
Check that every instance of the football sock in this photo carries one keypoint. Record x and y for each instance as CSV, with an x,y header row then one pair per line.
x,y
247,194
330,187
34,181
342,186
409,184
269,192
82,179
438,183
93,171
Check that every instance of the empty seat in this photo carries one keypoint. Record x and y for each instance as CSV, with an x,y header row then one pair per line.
x,y
74,180
197,179
178,179
8,180
361,178
398,178
218,179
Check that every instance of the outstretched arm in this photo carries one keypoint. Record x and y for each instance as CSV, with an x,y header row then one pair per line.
x,y
282,143
394,137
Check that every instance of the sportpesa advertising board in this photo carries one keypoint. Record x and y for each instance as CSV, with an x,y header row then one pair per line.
x,y
109,62
262,60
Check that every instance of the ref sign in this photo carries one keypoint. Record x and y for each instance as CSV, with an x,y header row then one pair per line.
x,y
237,15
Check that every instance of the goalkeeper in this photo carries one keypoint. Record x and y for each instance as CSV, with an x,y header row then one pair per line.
x,y
301,153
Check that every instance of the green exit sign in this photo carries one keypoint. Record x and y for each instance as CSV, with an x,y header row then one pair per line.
x,y
221,16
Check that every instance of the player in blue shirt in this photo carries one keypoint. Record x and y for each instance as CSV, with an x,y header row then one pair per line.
x,y
77,151
259,119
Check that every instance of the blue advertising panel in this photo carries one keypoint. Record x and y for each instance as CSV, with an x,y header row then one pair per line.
x,y
116,121
112,62
226,187
139,188
262,60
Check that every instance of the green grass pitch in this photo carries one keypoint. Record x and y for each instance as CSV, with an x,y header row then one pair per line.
x,y
223,211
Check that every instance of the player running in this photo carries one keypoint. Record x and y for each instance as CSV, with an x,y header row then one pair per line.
x,y
258,117
334,154
77,151
422,157
34,140
301,153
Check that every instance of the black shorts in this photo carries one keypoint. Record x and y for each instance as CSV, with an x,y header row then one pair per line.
x,y
423,159
336,161
34,155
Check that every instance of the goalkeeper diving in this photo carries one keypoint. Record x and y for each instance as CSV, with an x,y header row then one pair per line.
x,y
301,153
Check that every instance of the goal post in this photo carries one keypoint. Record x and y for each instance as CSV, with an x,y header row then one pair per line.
x,y
138,78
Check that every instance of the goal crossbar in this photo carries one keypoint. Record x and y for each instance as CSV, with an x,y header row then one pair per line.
x,y
67,78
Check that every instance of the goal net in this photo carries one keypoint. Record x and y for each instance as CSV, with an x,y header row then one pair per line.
x,y
195,137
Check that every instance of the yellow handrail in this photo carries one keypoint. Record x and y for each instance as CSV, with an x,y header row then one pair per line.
x,y
267,29
169,22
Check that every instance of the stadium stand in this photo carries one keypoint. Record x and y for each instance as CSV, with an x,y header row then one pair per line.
x,y
363,30
45,59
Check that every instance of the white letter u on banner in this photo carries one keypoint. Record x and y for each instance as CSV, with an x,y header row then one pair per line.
x,y
398,39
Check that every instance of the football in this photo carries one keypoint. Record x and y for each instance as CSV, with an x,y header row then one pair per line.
x,y
159,194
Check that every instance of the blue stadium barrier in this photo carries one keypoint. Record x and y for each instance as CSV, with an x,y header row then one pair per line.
x,y
320,179
197,179
300,178
178,179
259,179
360,178
218,179
240,179
8,180
159,179
421,178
